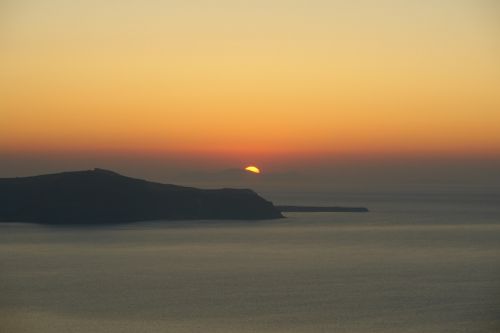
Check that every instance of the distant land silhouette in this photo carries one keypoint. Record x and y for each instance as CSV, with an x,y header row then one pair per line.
x,y
236,175
103,196
324,209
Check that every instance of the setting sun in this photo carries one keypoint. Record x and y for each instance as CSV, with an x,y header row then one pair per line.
x,y
252,168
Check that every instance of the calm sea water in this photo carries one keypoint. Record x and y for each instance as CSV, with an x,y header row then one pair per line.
x,y
418,262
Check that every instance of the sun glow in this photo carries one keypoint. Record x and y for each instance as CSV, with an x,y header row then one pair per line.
x,y
252,168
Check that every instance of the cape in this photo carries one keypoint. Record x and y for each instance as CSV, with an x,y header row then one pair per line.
x,y
103,196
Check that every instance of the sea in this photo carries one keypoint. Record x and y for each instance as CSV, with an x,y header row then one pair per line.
x,y
419,261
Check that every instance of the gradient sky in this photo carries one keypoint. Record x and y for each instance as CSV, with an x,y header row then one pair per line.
x,y
249,81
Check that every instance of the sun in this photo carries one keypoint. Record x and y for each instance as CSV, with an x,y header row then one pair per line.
x,y
252,168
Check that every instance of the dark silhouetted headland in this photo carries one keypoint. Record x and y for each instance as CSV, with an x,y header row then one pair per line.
x,y
311,209
102,196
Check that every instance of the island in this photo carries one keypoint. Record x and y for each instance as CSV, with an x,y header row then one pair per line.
x,y
103,196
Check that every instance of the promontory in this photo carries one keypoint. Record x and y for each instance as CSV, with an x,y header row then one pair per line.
x,y
102,196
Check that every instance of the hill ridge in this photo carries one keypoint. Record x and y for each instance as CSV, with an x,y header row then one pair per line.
x,y
101,195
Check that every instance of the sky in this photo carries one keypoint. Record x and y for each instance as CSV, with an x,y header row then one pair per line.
x,y
163,86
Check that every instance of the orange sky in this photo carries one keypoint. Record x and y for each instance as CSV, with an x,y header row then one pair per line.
x,y
251,78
